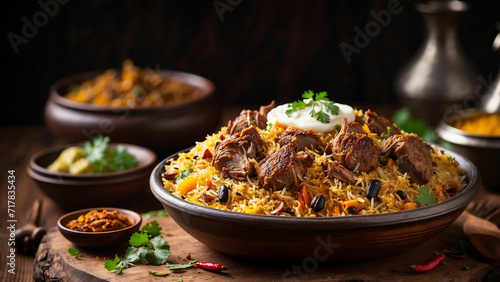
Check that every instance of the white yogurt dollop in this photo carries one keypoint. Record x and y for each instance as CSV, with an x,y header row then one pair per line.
x,y
302,119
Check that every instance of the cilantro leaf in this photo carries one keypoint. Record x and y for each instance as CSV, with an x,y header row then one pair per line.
x,y
156,213
152,228
74,252
161,251
154,273
332,108
321,96
139,239
155,252
425,197
117,264
177,266
184,174
315,100
307,94
94,151
121,159
105,160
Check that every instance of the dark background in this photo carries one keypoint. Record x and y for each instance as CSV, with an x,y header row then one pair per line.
x,y
254,52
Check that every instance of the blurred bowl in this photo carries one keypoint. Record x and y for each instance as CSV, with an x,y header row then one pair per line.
x,y
333,239
482,150
99,240
76,191
167,128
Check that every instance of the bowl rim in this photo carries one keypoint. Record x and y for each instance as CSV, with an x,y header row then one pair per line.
x,y
343,222
74,215
206,86
43,171
454,135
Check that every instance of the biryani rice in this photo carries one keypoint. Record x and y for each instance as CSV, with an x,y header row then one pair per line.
x,y
249,197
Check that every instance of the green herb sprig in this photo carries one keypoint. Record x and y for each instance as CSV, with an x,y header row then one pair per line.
x,y
74,252
148,246
104,159
325,106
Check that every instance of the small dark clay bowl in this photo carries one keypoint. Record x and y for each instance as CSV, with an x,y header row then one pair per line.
x,y
482,150
76,191
333,239
164,129
99,240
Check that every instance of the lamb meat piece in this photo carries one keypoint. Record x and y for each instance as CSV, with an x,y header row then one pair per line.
x,y
414,156
301,139
232,156
281,169
334,169
354,150
249,118
379,124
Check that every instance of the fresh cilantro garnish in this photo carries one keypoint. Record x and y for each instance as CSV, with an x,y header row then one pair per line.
x,y
177,266
154,273
95,150
105,160
117,264
74,252
315,100
450,159
121,159
156,213
139,239
184,174
425,197
155,251
152,228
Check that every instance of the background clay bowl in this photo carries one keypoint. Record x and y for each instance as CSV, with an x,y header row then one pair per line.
x,y
99,240
164,129
75,191
335,239
483,151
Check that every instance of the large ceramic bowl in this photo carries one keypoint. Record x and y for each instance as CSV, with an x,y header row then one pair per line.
x,y
483,151
334,239
99,240
165,129
75,191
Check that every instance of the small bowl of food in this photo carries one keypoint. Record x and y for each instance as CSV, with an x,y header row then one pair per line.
x,y
334,184
99,228
96,173
162,109
475,135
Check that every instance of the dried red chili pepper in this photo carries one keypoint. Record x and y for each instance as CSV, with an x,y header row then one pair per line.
x,y
210,266
430,266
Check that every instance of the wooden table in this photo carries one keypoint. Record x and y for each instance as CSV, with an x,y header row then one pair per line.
x,y
19,143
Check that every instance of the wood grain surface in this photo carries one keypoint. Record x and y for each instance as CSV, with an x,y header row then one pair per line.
x,y
54,262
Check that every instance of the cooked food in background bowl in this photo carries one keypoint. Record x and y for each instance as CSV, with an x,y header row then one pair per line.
x,y
475,135
334,174
163,110
74,191
99,228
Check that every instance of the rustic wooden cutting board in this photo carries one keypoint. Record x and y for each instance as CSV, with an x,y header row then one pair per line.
x,y
54,262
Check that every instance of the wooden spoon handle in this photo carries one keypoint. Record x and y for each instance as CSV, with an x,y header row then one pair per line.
x,y
35,212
